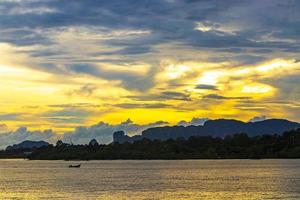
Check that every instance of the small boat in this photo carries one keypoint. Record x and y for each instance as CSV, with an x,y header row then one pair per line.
x,y
74,166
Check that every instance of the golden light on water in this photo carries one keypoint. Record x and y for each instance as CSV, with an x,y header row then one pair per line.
x,y
189,179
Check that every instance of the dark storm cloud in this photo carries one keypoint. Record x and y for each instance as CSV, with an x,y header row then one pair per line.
x,y
24,37
242,59
129,80
85,90
75,105
175,95
245,28
67,115
220,97
167,20
163,96
206,87
10,116
150,106
287,86
133,50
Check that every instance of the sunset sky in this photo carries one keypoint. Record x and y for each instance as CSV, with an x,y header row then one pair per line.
x,y
65,64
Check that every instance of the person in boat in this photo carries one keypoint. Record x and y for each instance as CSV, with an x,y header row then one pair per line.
x,y
74,166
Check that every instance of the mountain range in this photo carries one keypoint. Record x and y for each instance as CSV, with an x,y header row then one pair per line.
x,y
216,128
28,145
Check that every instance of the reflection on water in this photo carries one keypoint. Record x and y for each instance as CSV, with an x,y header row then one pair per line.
x,y
189,179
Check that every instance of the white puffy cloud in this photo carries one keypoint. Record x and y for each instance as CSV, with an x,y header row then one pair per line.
x,y
23,134
102,132
3,128
258,118
193,122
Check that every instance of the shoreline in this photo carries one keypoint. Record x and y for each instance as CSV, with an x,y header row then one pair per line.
x,y
148,159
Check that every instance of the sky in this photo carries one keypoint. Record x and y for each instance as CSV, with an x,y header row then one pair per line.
x,y
68,64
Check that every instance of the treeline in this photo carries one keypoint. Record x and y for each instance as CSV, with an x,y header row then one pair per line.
x,y
238,146
17,153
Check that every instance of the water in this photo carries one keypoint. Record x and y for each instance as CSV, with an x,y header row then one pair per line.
x,y
189,179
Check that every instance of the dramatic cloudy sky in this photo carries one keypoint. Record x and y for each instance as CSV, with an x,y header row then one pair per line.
x,y
65,64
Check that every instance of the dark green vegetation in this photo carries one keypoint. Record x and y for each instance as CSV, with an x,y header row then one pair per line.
x,y
238,146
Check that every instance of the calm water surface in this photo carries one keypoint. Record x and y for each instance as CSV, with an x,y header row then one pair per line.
x,y
189,179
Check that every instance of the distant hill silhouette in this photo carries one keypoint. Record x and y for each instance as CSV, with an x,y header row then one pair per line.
x,y
28,145
237,146
215,128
